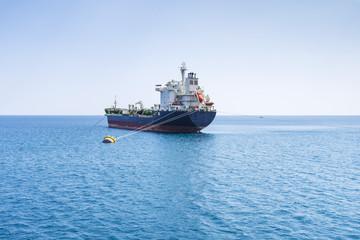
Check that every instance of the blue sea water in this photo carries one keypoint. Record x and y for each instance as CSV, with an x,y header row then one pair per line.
x,y
242,178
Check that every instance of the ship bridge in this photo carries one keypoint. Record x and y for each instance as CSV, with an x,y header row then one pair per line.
x,y
184,95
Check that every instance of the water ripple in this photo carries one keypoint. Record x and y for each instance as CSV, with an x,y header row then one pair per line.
x,y
238,180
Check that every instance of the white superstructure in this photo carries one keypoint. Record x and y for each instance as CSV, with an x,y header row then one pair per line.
x,y
184,95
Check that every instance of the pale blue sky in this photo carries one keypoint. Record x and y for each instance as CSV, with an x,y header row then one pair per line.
x,y
72,57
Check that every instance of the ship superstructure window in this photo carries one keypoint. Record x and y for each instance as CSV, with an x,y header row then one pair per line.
x,y
195,82
191,82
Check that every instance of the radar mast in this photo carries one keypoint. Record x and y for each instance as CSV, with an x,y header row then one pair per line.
x,y
183,69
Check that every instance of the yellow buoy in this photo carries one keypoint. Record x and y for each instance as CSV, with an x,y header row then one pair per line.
x,y
109,139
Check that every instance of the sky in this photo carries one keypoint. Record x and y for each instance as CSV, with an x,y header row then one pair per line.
x,y
253,57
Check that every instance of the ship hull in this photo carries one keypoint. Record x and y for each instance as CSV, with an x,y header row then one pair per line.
x,y
164,121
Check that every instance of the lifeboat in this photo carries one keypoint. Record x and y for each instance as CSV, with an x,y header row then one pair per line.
x,y
209,103
109,139
200,96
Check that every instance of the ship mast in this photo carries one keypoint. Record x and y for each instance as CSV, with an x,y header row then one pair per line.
x,y
183,69
115,102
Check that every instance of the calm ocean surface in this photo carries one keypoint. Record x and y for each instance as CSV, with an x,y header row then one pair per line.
x,y
243,178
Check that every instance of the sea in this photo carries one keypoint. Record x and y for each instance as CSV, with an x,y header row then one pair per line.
x,y
243,177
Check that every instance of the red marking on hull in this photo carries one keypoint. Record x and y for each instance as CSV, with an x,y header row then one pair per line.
x,y
158,128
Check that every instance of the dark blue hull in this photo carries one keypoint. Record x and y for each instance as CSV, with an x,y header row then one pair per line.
x,y
164,121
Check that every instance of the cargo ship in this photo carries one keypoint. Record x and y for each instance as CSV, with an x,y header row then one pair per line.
x,y
183,108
